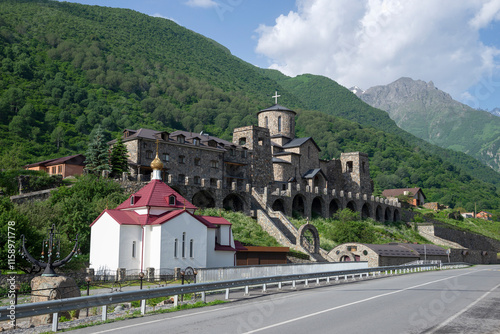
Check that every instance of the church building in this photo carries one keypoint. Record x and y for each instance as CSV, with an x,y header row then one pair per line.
x,y
157,228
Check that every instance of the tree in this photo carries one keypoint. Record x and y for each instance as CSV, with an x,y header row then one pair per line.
x,y
97,154
119,158
57,136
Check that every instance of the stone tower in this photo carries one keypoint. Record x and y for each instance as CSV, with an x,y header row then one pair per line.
x,y
257,140
356,172
279,120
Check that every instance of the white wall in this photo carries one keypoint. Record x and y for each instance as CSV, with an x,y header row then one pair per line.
x,y
175,228
129,234
104,243
152,246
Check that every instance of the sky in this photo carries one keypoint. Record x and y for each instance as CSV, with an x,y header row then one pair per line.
x,y
364,43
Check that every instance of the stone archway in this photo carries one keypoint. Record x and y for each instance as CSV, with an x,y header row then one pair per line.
x,y
279,205
378,214
351,205
309,238
203,199
233,202
334,207
387,215
365,211
397,217
298,204
317,207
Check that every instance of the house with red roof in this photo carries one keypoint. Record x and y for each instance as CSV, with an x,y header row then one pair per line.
x,y
158,228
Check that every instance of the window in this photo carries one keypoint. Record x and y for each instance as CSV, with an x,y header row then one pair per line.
x,y
191,244
352,248
279,124
59,169
165,157
197,161
244,153
214,164
213,182
181,178
184,244
53,170
132,200
176,242
349,166
133,248
231,152
242,141
266,122
182,159
261,141
171,200
197,180
149,154
145,145
363,167
196,141
180,139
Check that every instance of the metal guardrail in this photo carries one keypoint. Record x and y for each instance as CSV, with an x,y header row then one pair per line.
x,y
75,303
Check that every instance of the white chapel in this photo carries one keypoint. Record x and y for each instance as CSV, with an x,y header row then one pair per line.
x,y
158,228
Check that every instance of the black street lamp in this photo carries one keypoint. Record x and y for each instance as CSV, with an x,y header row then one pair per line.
x,y
88,279
141,276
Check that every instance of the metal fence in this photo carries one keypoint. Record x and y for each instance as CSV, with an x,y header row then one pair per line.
x,y
57,306
231,273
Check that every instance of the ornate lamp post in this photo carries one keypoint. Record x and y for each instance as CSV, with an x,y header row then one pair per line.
x,y
141,276
50,245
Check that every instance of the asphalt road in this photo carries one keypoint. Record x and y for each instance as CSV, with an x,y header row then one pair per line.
x,y
450,301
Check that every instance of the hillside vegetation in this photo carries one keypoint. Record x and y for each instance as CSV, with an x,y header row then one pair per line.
x,y
66,68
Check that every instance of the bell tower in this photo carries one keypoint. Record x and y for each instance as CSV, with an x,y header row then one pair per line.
x,y
279,120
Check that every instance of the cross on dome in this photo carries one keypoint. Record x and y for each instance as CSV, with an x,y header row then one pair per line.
x,y
276,97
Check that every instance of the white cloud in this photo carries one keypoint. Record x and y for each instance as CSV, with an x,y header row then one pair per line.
x,y
201,3
374,42
163,17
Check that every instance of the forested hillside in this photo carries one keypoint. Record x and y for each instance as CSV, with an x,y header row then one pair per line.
x,y
65,68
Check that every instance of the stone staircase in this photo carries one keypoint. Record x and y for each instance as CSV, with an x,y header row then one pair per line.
x,y
278,226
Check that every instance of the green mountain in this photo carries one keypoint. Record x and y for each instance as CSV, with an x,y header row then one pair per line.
x,y
66,68
431,114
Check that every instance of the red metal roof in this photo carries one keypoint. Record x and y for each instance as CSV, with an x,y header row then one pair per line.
x,y
156,194
224,248
128,217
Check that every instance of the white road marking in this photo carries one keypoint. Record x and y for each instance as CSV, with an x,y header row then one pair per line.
x,y
453,317
354,303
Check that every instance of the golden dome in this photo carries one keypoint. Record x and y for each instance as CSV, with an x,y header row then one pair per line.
x,y
156,164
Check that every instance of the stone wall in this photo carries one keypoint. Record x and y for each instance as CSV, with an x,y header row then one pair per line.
x,y
466,239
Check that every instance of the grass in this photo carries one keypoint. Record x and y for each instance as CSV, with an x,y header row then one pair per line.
x,y
487,228
137,314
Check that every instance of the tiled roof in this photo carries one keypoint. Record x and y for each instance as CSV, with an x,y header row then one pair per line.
x,y
312,173
296,142
398,192
76,159
277,107
280,161
156,194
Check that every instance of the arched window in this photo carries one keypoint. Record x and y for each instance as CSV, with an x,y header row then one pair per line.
x,y
184,244
279,124
191,244
171,200
176,242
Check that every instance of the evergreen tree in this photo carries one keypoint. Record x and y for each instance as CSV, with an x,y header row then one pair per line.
x,y
119,158
97,154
